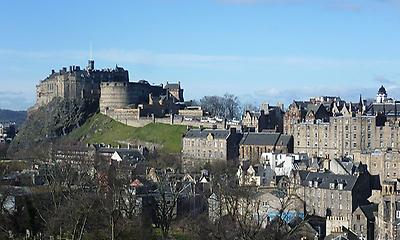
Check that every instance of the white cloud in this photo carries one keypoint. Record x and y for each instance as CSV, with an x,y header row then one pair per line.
x,y
122,56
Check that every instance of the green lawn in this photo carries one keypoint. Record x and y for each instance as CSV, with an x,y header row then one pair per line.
x,y
102,129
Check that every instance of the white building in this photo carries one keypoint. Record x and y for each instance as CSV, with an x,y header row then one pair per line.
x,y
283,163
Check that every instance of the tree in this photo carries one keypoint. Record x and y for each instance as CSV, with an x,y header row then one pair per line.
x,y
241,214
227,106
168,190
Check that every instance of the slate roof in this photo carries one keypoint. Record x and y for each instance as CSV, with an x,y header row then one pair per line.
x,y
203,133
369,210
264,138
385,108
325,178
124,153
172,86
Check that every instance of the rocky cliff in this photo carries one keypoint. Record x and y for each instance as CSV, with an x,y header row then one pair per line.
x,y
48,123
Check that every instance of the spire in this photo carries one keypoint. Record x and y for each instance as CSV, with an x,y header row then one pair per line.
x,y
361,105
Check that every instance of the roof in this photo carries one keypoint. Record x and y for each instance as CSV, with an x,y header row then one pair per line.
x,y
124,153
369,210
264,138
325,178
172,86
203,133
382,90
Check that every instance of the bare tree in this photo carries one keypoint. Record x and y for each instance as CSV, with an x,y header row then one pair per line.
x,y
227,106
165,199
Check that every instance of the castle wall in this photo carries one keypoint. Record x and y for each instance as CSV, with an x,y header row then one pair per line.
x,y
114,95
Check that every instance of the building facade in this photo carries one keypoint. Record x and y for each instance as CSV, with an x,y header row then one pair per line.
x,y
349,129
77,83
253,145
326,194
269,118
201,146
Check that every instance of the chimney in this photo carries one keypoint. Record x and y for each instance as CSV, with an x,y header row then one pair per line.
x,y
52,71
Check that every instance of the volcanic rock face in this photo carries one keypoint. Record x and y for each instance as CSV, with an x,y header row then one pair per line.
x,y
47,123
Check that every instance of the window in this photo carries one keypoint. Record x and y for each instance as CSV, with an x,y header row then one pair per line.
x,y
398,214
358,217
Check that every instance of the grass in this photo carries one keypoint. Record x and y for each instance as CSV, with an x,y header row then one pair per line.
x,y
102,129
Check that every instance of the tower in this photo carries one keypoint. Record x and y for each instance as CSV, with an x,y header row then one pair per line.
x,y
381,96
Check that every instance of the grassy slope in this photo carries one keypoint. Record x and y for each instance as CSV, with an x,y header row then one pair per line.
x,y
102,129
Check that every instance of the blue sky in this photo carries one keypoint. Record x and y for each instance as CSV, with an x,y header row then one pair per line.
x,y
260,50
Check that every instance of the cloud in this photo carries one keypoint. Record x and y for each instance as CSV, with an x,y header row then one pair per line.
x,y
202,61
383,80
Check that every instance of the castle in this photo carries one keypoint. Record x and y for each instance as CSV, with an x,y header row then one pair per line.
x,y
112,89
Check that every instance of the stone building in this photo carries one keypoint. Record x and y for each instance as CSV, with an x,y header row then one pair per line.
x,y
351,129
326,194
304,111
384,163
269,118
175,90
77,83
363,220
388,219
201,146
253,145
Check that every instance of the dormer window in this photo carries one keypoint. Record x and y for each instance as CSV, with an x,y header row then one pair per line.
x,y
310,183
316,184
340,186
332,185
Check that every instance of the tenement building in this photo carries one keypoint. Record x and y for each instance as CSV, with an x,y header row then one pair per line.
x,y
343,128
326,194
201,146
388,222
